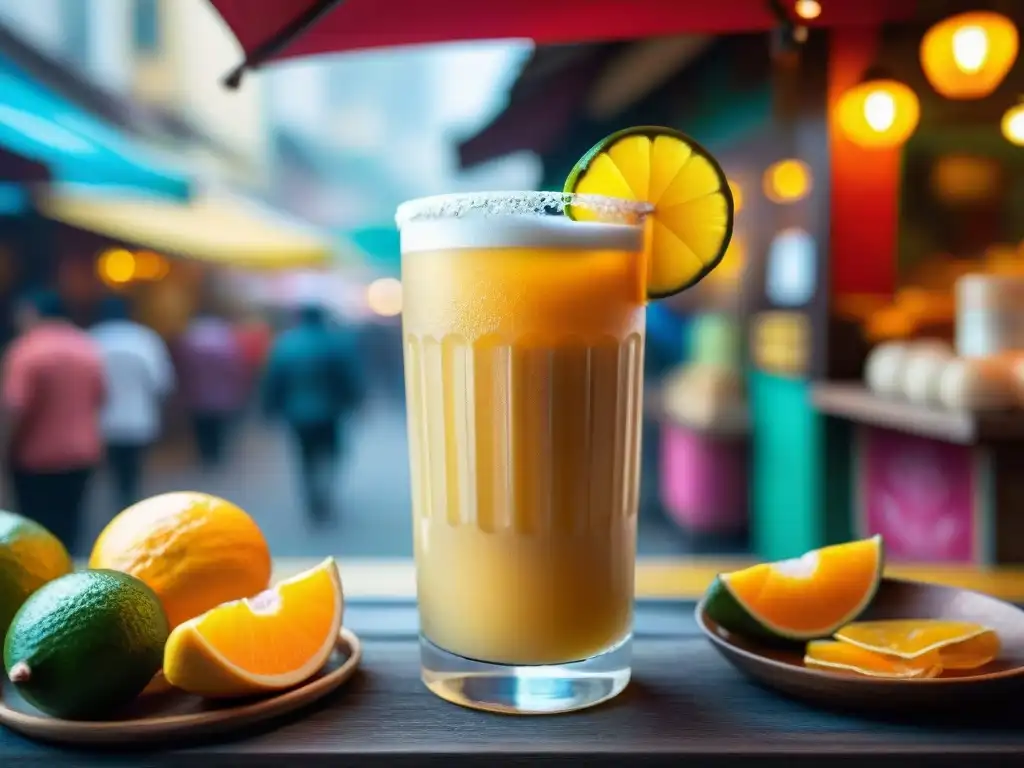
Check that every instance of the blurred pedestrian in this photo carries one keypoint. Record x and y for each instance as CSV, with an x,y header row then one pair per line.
x,y
53,390
314,382
254,337
213,382
139,377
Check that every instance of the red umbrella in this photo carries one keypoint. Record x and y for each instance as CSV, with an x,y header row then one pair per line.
x,y
275,29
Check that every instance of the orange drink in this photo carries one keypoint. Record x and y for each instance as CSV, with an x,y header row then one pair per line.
x,y
524,344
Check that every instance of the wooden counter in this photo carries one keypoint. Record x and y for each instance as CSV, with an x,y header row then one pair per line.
x,y
684,706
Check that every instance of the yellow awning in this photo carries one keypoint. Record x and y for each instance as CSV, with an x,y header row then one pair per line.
x,y
222,230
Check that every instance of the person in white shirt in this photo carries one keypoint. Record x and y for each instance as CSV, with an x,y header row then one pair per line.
x,y
139,376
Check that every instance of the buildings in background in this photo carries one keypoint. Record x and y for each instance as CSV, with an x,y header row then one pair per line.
x,y
338,141
358,133
159,61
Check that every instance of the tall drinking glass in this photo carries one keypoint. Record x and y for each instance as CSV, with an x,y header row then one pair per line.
x,y
524,342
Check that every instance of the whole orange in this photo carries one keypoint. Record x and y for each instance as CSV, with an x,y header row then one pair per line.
x,y
194,550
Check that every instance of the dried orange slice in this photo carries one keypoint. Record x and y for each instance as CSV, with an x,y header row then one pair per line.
x,y
843,657
692,221
960,644
804,598
270,642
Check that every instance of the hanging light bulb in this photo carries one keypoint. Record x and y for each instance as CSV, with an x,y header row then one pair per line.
x,y
878,113
968,55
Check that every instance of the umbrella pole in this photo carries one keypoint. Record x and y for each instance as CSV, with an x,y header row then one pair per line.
x,y
280,40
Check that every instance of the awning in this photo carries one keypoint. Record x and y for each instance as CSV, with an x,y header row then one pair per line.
x,y
274,29
76,148
561,87
222,230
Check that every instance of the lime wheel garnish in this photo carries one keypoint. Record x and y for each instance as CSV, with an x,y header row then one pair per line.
x,y
692,217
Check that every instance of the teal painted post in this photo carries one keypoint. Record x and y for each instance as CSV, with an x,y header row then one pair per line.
x,y
788,460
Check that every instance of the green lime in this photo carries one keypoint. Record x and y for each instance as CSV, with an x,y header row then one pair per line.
x,y
85,645
30,556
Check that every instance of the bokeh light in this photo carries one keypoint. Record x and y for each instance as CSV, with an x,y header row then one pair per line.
x,y
737,196
787,181
968,55
116,266
807,9
150,266
879,113
1012,125
384,297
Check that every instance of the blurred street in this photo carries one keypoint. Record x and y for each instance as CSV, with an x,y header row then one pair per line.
x,y
373,519
260,476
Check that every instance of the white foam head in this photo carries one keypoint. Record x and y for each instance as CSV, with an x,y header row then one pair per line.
x,y
518,220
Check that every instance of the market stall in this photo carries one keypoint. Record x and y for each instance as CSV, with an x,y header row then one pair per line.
x,y
937,461
925,265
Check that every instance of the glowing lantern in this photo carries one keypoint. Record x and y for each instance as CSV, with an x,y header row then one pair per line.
x,y
787,181
967,56
1013,124
879,113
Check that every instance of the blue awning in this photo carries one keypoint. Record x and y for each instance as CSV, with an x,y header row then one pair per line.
x,y
77,147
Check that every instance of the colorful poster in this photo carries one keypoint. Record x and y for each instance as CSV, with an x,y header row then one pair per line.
x,y
919,494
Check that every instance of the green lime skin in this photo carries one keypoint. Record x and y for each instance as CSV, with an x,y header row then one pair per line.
x,y
85,645
30,556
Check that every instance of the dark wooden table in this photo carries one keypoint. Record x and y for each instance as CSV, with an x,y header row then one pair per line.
x,y
685,706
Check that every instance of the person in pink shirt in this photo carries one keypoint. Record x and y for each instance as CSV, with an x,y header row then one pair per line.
x,y
52,390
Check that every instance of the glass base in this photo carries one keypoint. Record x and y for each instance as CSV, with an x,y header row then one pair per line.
x,y
533,690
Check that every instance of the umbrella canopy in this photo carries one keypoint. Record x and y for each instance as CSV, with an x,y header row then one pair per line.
x,y
274,29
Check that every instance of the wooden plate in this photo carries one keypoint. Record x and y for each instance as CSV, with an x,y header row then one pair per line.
x,y
783,669
175,714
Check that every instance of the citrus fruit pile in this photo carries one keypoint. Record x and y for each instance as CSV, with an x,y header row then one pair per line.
x,y
691,220
816,599
176,594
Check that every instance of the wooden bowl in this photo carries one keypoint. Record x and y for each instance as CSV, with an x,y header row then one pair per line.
x,y
162,716
783,668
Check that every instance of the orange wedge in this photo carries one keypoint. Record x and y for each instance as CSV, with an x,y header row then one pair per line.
x,y
960,644
692,221
270,642
842,657
805,598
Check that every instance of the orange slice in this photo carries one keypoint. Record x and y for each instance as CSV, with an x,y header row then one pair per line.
x,y
843,657
270,642
805,598
960,644
692,220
